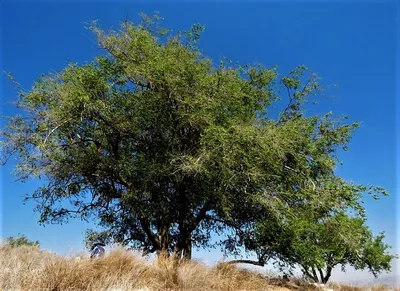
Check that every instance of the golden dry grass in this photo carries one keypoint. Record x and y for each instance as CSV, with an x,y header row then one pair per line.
x,y
29,268
379,287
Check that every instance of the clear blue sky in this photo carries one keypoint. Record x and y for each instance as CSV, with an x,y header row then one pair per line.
x,y
352,44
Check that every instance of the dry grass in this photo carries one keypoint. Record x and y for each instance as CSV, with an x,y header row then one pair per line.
x,y
29,268
343,287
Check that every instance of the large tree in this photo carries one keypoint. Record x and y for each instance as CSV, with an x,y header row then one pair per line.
x,y
162,147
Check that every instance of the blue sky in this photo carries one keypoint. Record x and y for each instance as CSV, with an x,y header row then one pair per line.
x,y
349,43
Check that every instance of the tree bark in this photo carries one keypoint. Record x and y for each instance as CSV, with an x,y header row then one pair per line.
x,y
183,250
321,275
187,248
328,274
315,275
164,237
155,242
309,275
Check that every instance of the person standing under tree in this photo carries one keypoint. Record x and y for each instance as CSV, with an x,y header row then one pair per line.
x,y
97,251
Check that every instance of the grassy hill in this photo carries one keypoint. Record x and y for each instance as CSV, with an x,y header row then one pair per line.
x,y
30,268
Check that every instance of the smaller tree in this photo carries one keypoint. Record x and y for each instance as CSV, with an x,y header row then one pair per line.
x,y
318,246
20,240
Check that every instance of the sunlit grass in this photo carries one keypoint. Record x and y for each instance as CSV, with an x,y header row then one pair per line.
x,y
29,268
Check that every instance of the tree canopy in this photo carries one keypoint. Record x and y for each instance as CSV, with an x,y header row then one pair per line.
x,y
318,238
163,147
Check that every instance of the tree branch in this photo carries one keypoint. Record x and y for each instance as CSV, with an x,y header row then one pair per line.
x,y
150,234
305,272
54,129
328,274
251,262
200,216
321,275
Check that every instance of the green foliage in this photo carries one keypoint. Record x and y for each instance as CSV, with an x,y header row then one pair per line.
x,y
93,237
163,148
20,240
333,232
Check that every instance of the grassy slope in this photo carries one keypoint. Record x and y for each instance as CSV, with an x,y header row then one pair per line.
x,y
29,268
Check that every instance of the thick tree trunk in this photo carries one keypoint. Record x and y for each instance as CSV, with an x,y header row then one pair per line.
x,y
164,237
183,250
163,251
187,248
327,275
